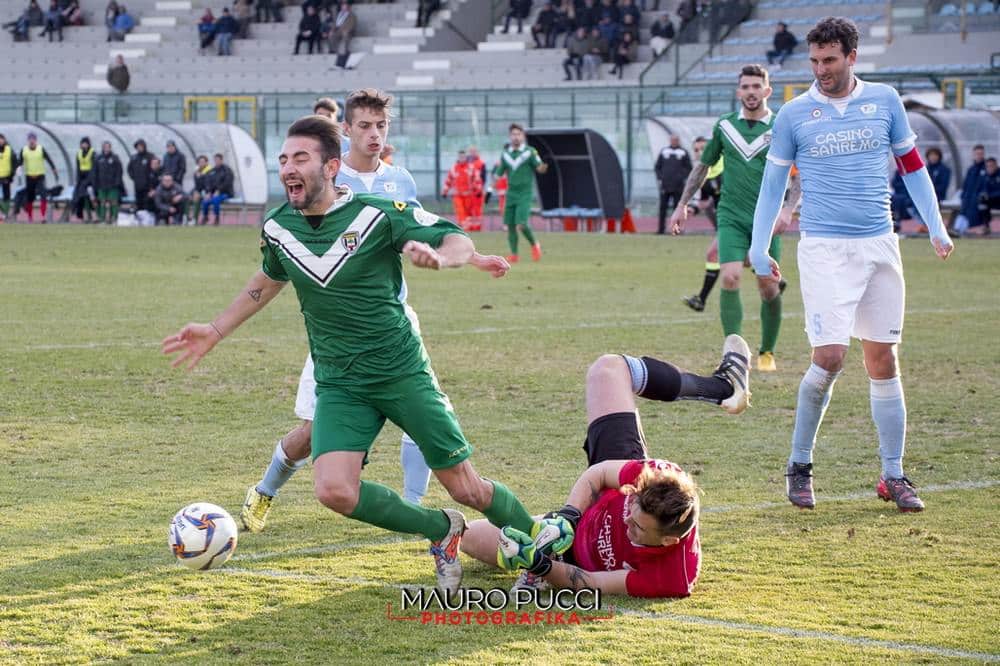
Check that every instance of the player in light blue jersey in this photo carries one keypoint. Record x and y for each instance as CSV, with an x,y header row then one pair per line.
x,y
841,135
367,115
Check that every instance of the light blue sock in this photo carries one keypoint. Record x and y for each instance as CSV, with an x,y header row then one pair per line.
x,y
416,473
889,414
814,397
279,471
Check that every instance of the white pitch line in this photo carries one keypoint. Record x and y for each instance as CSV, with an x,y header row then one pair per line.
x,y
790,632
481,330
933,488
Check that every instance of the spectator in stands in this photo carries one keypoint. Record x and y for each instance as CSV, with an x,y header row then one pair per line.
x,y
206,30
611,33
108,183
784,44
220,188
588,15
565,20
201,191
344,25
8,165
19,28
544,29
174,163
242,14
309,30
687,32
599,53
519,10
36,17
628,8
33,158
577,46
629,25
71,13
425,9
122,26
660,34
110,14
974,183
225,28
169,201
84,201
141,174
118,74
268,10
53,21
609,10
626,52
672,168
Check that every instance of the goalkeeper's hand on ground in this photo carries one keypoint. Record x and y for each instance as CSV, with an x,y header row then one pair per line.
x,y
516,550
553,535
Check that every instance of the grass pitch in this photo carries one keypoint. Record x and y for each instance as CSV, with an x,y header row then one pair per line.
x,y
101,443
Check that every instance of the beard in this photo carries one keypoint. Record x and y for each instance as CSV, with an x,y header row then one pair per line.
x,y
312,189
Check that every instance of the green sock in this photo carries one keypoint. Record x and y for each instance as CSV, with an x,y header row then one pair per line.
x,y
4,206
731,309
512,238
526,230
770,323
114,213
380,506
506,509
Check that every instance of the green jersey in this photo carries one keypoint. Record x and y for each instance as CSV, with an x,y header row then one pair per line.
x,y
520,166
347,272
744,149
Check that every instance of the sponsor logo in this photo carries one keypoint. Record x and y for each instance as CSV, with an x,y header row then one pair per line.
x,y
894,331
869,109
844,142
350,241
816,113
389,186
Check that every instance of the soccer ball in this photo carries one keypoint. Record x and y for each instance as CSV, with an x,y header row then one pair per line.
x,y
202,536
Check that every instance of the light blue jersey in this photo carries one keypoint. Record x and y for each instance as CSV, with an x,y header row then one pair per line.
x,y
842,148
391,182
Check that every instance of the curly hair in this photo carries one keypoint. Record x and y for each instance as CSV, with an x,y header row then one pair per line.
x,y
670,496
835,30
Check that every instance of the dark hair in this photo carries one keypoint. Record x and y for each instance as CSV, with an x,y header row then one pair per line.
x,y
372,99
979,146
783,24
991,159
935,151
515,126
835,30
201,157
754,70
323,130
327,103
699,138
219,155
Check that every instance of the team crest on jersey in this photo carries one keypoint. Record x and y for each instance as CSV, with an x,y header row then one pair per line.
x,y
389,186
816,113
868,109
350,241
400,205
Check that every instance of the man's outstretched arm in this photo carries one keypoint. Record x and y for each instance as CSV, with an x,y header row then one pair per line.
x,y
195,340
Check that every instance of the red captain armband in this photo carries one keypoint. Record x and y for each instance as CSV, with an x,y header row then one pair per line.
x,y
910,162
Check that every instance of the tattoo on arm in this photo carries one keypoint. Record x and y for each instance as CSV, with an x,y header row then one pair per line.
x,y
695,180
578,579
255,295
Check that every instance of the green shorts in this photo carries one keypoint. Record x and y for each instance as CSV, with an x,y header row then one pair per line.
x,y
734,241
517,210
349,419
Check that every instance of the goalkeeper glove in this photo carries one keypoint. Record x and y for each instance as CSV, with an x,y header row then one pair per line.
x,y
569,512
517,550
553,535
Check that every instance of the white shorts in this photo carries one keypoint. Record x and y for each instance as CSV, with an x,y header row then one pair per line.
x,y
852,287
305,398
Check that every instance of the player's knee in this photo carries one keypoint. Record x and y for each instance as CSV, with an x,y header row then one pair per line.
x,y
730,280
341,497
475,494
830,358
606,368
881,363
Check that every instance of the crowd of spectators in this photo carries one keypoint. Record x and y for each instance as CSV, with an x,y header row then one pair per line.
x,y
58,14
592,32
159,195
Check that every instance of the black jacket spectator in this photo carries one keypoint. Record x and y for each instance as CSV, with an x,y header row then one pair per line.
x,y
108,172
672,168
118,75
169,202
174,163
784,44
544,29
588,15
660,34
610,10
519,10
310,30
141,174
220,179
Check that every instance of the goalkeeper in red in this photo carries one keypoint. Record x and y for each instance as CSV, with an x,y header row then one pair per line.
x,y
342,253
630,524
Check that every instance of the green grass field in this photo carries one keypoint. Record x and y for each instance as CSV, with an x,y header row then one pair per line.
x,y
101,442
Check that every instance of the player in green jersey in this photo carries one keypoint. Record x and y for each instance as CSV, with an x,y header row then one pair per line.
x,y
742,138
520,162
342,253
